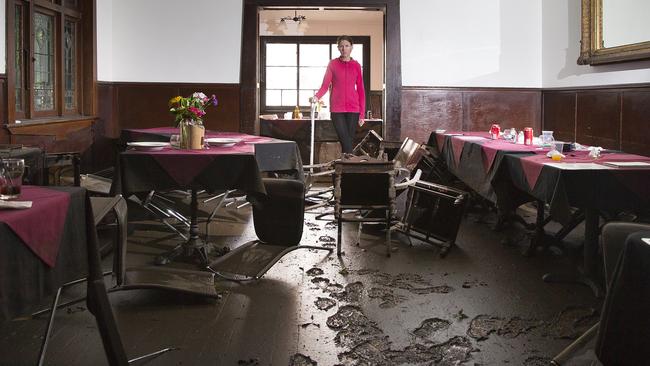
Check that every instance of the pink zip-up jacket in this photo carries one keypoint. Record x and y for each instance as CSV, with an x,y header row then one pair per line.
x,y
347,94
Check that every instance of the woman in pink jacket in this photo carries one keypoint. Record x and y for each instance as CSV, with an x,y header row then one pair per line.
x,y
347,95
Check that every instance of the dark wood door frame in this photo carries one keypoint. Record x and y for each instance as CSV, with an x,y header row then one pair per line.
x,y
249,74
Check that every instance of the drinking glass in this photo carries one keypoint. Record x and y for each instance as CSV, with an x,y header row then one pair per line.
x,y
11,178
175,141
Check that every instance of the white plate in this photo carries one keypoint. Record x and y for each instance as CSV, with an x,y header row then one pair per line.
x,y
148,145
221,141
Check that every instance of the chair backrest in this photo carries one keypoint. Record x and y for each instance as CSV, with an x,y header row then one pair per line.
x,y
360,182
612,241
407,155
370,145
279,216
624,330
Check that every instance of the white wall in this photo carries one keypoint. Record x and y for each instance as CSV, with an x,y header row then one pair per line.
x,y
172,41
561,48
104,40
471,43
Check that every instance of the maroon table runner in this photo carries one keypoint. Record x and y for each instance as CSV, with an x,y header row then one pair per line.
x,y
175,161
40,227
138,134
492,147
532,165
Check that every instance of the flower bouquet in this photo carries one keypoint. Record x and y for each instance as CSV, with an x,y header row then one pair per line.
x,y
189,112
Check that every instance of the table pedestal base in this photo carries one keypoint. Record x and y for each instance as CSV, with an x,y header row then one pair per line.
x,y
194,248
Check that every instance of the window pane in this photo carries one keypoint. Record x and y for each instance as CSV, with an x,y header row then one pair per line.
x,y
289,98
280,54
273,97
314,55
311,77
304,95
357,53
70,67
18,59
281,77
43,62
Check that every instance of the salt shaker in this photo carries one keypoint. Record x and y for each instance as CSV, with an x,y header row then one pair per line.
x,y
520,137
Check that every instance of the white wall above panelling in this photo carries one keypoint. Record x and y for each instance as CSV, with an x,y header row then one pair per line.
x,y
104,40
561,48
471,43
172,41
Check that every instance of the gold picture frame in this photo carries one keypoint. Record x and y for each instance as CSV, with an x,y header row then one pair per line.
x,y
592,50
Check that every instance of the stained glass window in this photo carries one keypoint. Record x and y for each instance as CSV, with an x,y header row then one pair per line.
x,y
19,60
43,62
69,69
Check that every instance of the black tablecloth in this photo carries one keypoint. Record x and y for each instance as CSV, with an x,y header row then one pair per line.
x,y
606,190
25,280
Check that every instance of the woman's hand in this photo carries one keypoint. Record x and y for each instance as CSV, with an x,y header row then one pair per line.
x,y
361,122
313,99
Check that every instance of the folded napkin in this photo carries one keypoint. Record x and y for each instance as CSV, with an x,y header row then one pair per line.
x,y
15,204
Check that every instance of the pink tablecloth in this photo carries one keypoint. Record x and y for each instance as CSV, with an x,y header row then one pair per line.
x,y
40,226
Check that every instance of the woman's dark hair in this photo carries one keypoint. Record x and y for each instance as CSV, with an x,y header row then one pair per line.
x,y
344,38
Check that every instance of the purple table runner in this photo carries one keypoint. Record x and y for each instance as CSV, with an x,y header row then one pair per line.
x,y
40,227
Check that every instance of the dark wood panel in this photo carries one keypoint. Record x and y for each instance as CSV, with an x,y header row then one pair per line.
x,y
145,105
468,109
3,98
635,137
509,108
425,110
560,115
376,103
598,118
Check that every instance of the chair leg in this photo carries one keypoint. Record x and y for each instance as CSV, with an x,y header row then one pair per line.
x,y
359,233
388,217
339,230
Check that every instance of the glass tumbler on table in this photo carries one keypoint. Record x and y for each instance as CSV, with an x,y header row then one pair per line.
x,y
11,178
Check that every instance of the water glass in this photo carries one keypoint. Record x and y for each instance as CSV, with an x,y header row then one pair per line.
x,y
11,178
175,141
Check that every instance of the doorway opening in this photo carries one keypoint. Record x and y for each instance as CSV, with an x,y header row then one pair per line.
x,y
261,20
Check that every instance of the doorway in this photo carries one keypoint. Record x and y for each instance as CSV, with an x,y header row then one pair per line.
x,y
250,57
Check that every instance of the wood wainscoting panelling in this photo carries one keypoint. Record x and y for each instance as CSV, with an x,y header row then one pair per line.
x,y
145,105
614,117
425,109
598,119
635,122
559,108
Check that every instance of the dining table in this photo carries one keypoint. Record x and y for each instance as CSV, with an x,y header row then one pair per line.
x,y
510,174
42,247
239,164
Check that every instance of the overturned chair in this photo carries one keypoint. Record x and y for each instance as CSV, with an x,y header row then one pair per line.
x,y
278,218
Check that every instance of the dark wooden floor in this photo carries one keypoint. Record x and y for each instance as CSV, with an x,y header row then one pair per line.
x,y
484,304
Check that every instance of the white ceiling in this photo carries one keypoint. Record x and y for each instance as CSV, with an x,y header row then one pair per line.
x,y
356,16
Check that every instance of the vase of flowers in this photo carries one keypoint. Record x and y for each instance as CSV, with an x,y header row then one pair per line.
x,y
189,112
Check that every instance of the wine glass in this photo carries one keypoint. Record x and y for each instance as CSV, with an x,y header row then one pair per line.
x,y
11,178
